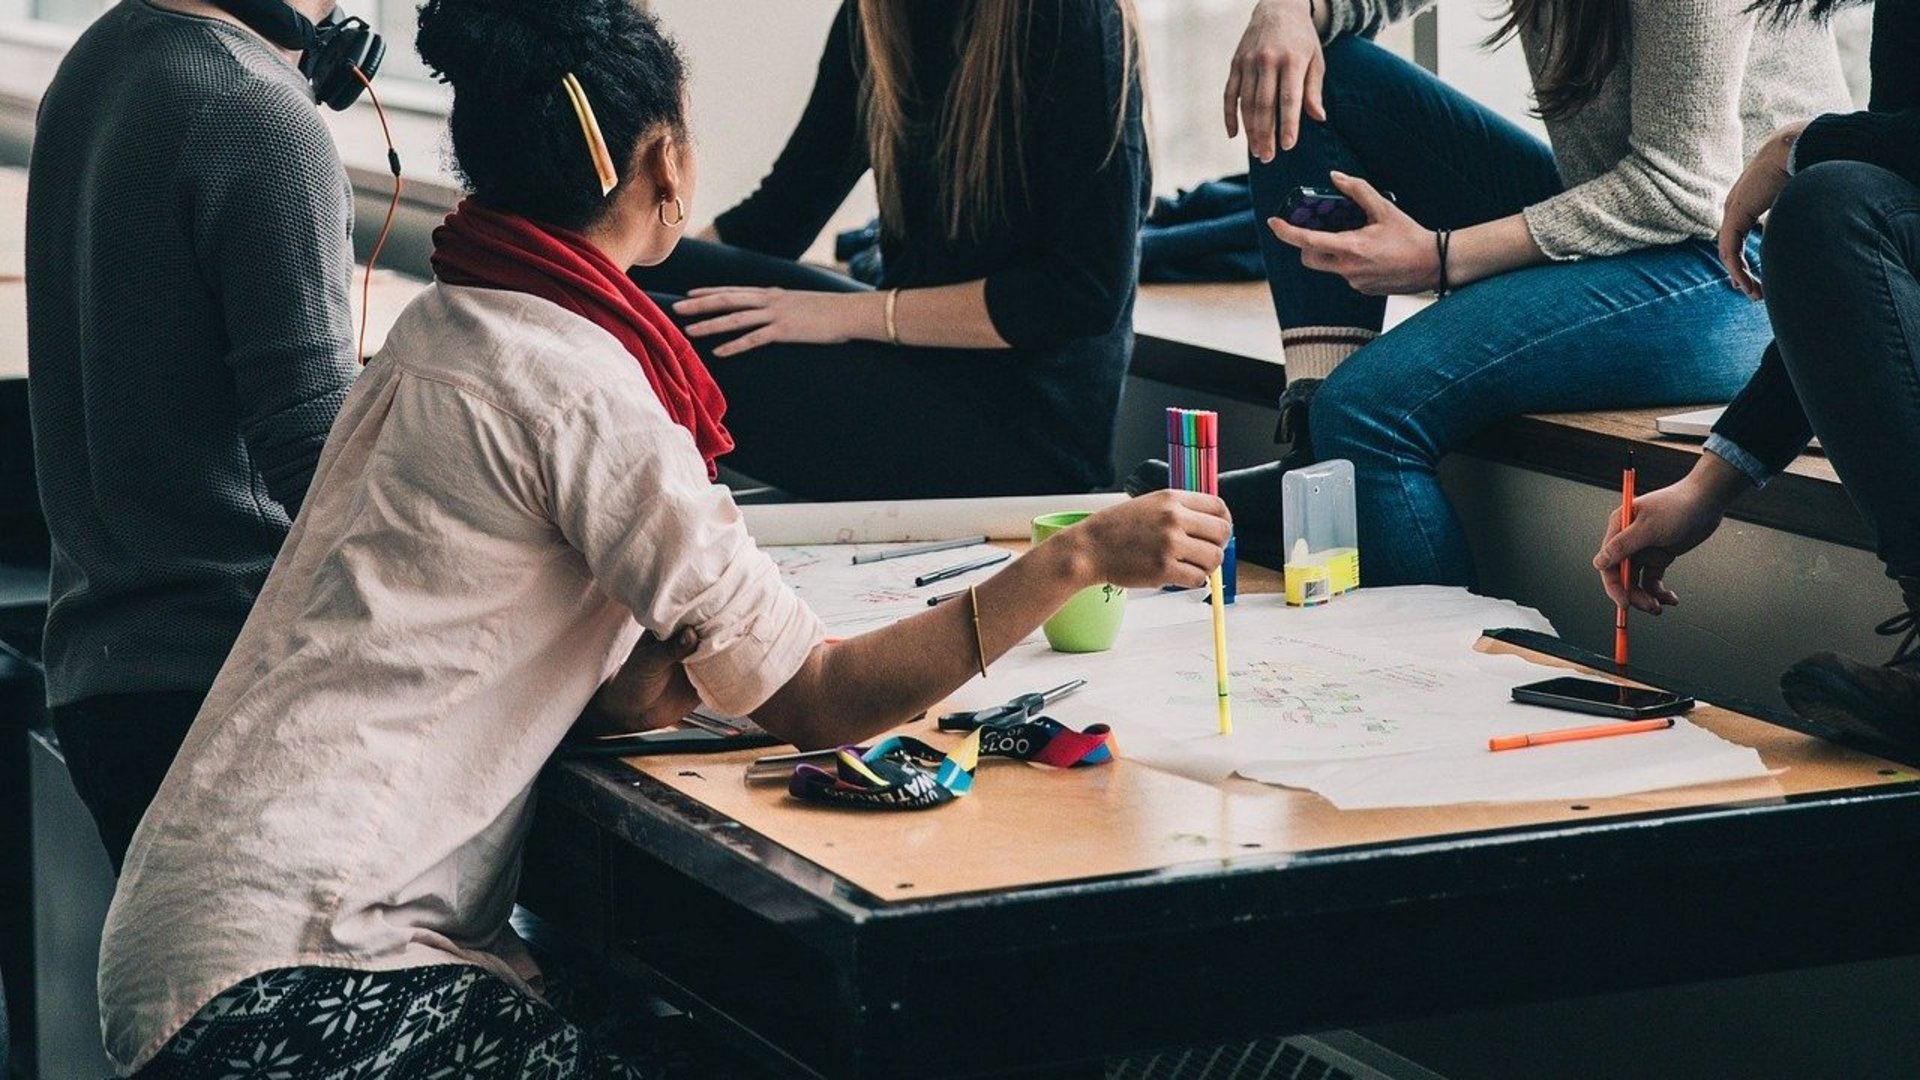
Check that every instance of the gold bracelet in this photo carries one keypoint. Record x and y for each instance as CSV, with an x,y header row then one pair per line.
x,y
893,324
979,643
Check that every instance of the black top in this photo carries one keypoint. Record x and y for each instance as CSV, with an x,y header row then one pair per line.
x,y
1767,420
1060,264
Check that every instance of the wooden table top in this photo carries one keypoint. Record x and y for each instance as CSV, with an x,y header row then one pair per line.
x,y
1027,825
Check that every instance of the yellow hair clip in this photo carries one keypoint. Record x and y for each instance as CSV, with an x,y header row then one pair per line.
x,y
590,127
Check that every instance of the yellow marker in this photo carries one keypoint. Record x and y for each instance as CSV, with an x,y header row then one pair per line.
x,y
1215,590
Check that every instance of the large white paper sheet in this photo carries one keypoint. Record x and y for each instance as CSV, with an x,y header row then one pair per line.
x,y
1464,770
1375,700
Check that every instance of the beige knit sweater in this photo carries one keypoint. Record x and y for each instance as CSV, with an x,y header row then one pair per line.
x,y
1649,160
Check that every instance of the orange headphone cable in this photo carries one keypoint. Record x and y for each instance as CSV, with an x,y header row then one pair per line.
x,y
393,207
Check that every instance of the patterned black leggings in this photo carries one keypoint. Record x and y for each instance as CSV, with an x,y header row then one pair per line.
x,y
452,1021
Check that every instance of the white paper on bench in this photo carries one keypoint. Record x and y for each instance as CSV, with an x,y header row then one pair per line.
x,y
1009,518
1374,700
855,599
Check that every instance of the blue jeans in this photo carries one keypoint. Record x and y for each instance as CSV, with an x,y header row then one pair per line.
x,y
1658,326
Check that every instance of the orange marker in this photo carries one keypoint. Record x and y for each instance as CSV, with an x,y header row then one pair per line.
x,y
1576,734
1627,480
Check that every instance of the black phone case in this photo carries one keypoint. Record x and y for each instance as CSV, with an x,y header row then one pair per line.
x,y
1323,210
1594,708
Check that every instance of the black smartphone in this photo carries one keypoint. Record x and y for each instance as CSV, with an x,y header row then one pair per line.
x,y
1602,698
1324,210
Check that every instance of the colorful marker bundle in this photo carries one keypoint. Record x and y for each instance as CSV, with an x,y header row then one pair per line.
x,y
1193,452
1193,449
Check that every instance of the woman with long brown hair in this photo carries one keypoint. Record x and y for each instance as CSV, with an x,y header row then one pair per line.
x,y
1583,274
1007,147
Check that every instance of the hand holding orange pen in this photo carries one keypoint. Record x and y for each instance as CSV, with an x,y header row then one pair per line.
x,y
1628,479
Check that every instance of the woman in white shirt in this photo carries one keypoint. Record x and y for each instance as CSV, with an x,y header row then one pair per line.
x,y
513,524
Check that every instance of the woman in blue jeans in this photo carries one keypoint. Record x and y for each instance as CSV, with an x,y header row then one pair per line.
x,y
1577,276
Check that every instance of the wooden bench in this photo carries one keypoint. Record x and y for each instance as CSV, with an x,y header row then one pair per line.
x,y
1222,339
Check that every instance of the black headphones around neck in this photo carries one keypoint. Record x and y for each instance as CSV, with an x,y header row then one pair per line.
x,y
329,51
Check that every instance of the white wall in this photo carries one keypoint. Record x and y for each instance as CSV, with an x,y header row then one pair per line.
x,y
752,63
1497,79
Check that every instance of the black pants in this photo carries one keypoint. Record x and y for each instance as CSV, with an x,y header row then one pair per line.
x,y
118,749
1842,248
863,420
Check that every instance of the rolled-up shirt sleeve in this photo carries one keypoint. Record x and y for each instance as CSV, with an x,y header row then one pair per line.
x,y
629,491
1766,427
1684,149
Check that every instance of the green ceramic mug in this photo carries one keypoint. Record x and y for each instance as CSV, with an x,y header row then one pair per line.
x,y
1090,622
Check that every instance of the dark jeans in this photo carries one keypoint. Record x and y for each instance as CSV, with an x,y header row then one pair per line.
x,y
1655,326
1449,161
118,748
1842,247
862,420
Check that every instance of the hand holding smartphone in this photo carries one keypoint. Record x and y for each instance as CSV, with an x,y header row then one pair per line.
x,y
1324,210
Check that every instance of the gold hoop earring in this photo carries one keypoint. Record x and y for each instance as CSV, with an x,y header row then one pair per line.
x,y
679,212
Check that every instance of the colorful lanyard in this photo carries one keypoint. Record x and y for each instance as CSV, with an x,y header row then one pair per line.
x,y
1047,741
903,773
899,773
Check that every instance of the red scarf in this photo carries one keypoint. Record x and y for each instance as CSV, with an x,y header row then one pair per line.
x,y
492,249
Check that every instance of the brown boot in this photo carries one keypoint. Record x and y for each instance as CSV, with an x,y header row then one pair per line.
x,y
1881,703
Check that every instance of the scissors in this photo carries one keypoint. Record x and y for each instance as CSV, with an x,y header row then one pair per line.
x,y
1021,708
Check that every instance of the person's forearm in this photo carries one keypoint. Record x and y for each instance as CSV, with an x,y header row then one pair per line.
x,y
869,684
1491,249
944,316
1718,480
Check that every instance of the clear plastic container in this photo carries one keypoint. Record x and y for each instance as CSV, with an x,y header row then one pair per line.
x,y
1318,522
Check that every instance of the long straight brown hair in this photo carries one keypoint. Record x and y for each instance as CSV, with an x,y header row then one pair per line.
x,y
981,150
1585,40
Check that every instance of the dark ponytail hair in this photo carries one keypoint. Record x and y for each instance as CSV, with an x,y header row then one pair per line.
x,y
516,140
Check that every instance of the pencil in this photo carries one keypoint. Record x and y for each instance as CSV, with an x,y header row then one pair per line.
x,y
921,549
1214,589
1628,478
1598,731
1209,425
964,568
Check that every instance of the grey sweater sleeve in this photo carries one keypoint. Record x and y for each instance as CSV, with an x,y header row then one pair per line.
x,y
1685,146
271,220
1364,18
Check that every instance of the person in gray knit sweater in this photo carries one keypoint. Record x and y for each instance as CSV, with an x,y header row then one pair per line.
x,y
190,339
1579,275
